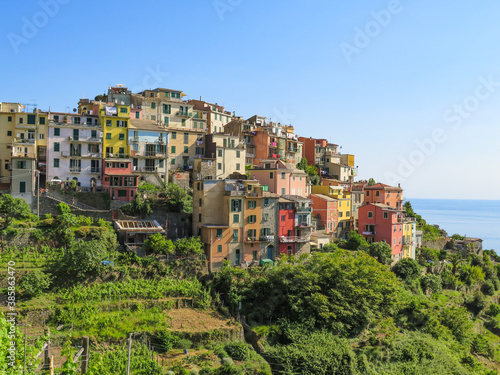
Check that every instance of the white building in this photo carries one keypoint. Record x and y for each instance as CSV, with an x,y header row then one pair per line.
x,y
74,149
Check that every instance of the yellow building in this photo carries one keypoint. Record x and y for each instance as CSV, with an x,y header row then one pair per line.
x,y
344,206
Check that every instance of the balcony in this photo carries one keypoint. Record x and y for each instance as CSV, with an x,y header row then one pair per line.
x,y
148,169
23,141
93,155
25,126
154,154
30,155
94,170
184,114
75,169
303,209
250,155
117,156
369,233
268,238
284,239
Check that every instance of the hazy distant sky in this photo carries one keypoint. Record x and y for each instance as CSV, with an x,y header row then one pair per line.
x,y
425,69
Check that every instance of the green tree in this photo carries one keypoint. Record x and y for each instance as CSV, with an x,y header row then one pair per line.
x,y
189,246
431,283
407,269
158,244
35,283
330,247
380,251
371,182
84,259
179,200
302,164
13,208
355,241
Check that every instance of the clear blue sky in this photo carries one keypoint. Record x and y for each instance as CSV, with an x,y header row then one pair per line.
x,y
285,60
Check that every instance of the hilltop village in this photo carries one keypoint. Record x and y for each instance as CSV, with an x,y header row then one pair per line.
x,y
143,233
259,190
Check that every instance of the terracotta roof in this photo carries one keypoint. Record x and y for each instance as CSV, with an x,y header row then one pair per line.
x,y
380,186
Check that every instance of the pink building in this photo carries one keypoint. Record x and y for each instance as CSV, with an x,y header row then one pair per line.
x,y
119,180
379,222
325,209
281,178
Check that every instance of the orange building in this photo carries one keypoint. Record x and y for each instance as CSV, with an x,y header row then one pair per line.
x,y
384,194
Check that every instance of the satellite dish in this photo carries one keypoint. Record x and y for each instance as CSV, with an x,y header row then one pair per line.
x,y
74,109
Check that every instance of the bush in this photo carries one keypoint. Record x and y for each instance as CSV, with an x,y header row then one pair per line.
x,y
481,345
164,341
183,344
237,350
493,310
227,362
48,222
488,288
35,283
407,269
477,303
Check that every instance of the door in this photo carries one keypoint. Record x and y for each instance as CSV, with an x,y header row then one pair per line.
x,y
237,260
270,252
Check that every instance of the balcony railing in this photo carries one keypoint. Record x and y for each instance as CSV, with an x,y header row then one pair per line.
x,y
184,114
94,170
75,169
293,239
24,141
367,233
25,126
144,169
268,238
117,156
23,154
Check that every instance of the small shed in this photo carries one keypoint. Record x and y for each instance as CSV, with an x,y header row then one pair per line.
x,y
135,232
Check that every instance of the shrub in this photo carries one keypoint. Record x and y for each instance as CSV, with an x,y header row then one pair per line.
x,y
488,288
407,269
237,350
183,344
493,310
35,283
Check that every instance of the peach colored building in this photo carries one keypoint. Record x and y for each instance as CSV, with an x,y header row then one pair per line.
x,y
385,194
325,210
281,178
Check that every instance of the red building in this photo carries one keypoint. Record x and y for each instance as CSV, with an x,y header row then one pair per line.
x,y
384,194
119,180
311,149
286,226
379,222
326,210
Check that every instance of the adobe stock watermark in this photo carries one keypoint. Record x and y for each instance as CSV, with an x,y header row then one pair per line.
x,y
152,79
455,117
224,6
31,26
372,29
283,117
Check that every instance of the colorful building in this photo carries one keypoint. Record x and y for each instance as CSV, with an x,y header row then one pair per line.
x,y
385,194
325,211
379,222
281,178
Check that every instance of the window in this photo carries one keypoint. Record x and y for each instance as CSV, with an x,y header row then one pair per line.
x,y
219,153
367,193
183,122
370,214
172,150
252,204
283,217
31,119
167,108
21,120
22,187
56,146
186,137
153,117
283,175
153,105
9,119
174,135
166,120
237,166
21,164
108,135
123,109
199,217
265,217
252,219
283,191
108,122
236,218
219,166
57,131
394,241
235,205
386,215
42,120
137,114
219,233
122,193
195,125
121,124
235,235
172,161
122,136
271,175
186,149
219,248
238,154
56,163
254,255
9,133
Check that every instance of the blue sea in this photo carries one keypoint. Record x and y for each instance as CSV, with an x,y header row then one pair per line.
x,y
471,218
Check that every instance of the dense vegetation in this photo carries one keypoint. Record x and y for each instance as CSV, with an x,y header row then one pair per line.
x,y
343,310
